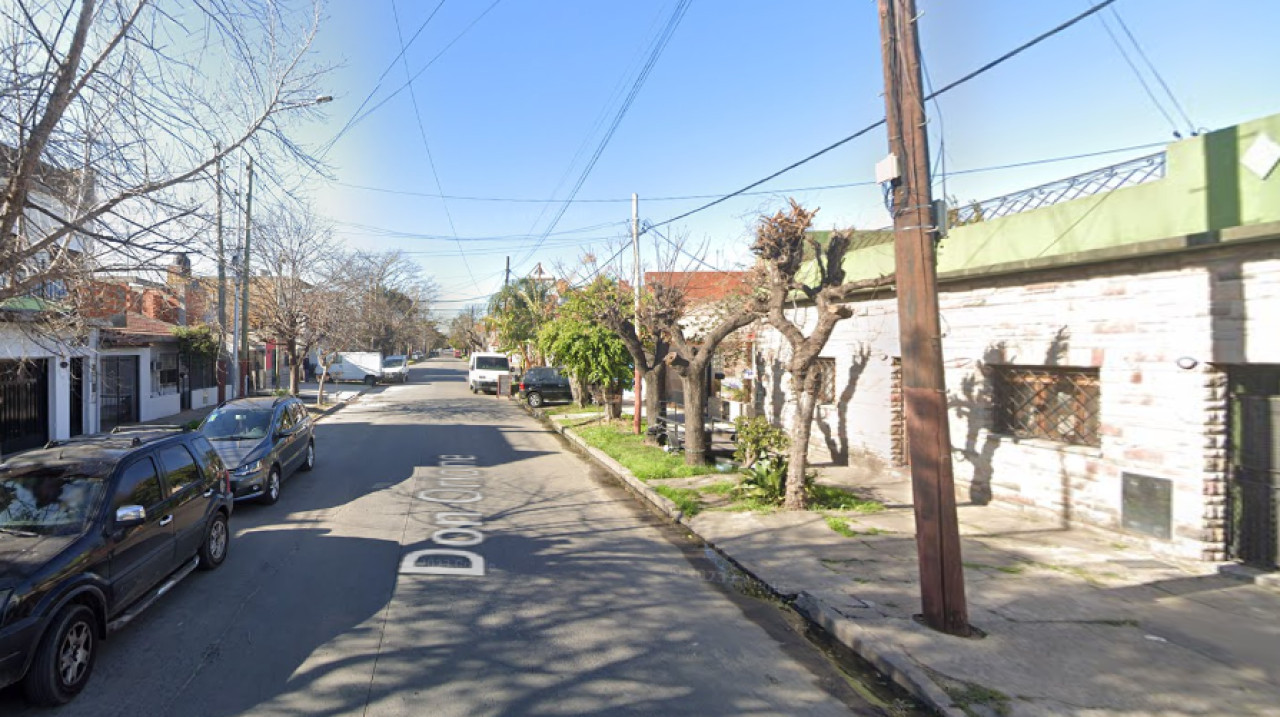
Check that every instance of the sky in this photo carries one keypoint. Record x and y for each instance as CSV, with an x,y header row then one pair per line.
x,y
518,95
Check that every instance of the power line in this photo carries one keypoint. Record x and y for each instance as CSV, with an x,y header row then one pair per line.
x,y
404,47
780,190
659,46
956,83
1191,126
422,132
376,231
1151,95
359,117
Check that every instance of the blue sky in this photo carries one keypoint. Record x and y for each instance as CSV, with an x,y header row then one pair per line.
x,y
513,109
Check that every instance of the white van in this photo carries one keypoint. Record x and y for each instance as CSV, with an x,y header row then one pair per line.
x,y
484,370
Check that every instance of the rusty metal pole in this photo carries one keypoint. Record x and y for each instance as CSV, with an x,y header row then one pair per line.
x,y
924,387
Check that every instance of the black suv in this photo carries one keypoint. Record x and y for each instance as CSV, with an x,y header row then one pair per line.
x,y
539,385
263,440
92,531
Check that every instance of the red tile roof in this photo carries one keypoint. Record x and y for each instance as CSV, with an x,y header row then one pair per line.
x,y
701,287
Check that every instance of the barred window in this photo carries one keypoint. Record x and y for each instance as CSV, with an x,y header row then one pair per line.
x,y
1051,402
164,375
826,368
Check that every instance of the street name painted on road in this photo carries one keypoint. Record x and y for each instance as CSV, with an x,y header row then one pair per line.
x,y
457,484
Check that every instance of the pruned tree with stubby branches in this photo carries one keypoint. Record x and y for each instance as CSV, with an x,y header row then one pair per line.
x,y
693,340
783,247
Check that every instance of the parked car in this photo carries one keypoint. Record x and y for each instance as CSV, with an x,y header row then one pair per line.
x,y
395,368
265,440
539,385
93,530
484,370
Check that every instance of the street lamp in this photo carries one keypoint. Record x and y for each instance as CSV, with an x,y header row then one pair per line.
x,y
246,270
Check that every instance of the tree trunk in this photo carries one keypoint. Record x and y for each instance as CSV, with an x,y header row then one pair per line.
x,y
696,443
612,398
653,380
291,351
798,461
324,373
579,391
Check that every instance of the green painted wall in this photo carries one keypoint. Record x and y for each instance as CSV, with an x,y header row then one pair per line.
x,y
1205,188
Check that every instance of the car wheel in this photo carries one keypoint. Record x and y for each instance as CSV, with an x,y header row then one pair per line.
x,y
216,540
535,399
271,491
309,461
64,659
370,380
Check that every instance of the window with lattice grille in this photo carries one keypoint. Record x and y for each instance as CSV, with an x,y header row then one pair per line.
x,y
1051,402
826,368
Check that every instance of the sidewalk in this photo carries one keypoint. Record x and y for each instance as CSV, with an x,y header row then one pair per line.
x,y
307,393
1075,622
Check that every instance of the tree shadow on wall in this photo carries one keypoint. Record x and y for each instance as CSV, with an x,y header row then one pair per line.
x,y
974,404
838,444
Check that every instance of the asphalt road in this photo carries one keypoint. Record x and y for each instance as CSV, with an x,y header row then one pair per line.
x,y
586,604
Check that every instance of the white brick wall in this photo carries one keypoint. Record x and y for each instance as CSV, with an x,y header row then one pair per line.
x,y
1132,322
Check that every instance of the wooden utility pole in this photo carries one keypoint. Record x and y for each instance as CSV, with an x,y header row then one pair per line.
x,y
924,387
635,291
506,277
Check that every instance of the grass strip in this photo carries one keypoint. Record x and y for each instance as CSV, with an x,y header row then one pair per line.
x,y
646,462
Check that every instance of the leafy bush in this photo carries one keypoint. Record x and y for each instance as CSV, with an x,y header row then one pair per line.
x,y
766,481
758,439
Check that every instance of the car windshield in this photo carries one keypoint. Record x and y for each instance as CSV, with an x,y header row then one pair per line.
x,y
492,363
393,363
42,499
237,424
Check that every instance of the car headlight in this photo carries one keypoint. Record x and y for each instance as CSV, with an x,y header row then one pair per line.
x,y
248,468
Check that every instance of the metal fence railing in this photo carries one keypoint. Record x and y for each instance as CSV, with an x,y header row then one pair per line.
x,y
1107,179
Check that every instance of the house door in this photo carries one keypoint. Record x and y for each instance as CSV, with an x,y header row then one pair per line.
x,y
1255,464
77,396
24,405
184,382
119,391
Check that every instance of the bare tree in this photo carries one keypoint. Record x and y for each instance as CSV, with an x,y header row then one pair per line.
x,y
295,248
780,246
114,112
391,296
466,331
332,321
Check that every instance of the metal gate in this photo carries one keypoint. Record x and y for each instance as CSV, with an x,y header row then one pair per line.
x,y
119,391
1255,466
24,405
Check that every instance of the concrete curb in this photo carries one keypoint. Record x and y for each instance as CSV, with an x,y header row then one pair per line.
x,y
891,661
337,406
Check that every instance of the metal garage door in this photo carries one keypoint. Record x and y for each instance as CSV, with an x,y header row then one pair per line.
x,y
24,405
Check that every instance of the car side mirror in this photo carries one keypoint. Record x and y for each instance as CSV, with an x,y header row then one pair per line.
x,y
127,516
